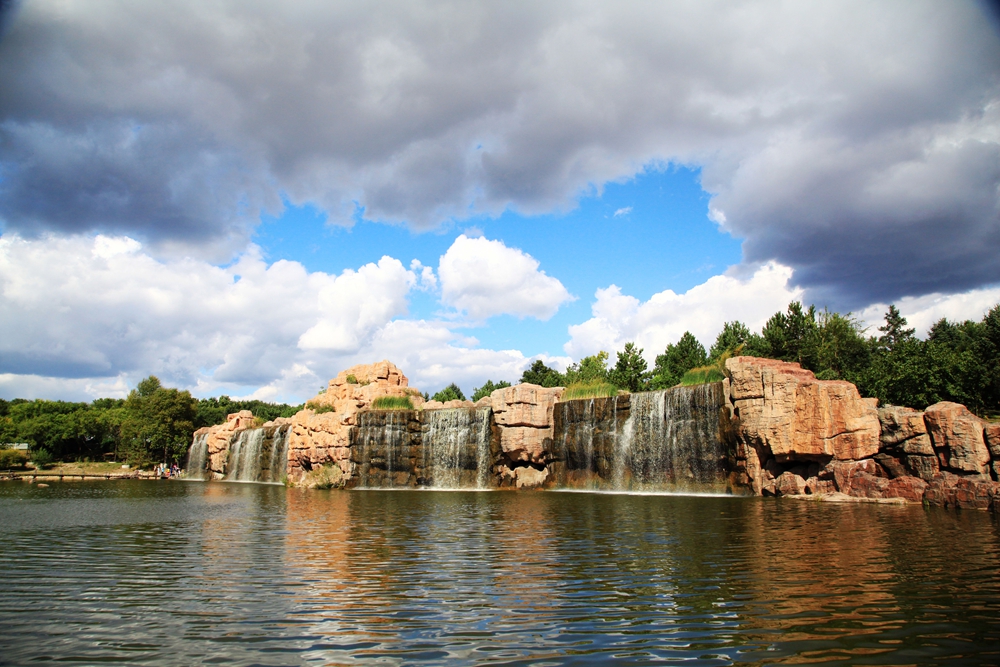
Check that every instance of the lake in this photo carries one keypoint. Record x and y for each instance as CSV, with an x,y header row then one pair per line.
x,y
185,573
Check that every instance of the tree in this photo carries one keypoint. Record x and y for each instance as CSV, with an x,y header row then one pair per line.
x,y
894,331
791,336
589,370
542,375
488,388
841,349
677,360
630,372
157,423
733,335
449,393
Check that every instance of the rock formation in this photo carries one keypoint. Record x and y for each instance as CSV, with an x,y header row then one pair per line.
x,y
797,435
523,413
218,437
321,433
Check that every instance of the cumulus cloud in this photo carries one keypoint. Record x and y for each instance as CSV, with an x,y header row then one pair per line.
x,y
484,278
922,312
854,142
619,318
88,316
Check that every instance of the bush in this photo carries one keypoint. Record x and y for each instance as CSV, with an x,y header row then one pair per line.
x,y
352,379
320,408
12,458
325,477
589,390
41,458
449,393
392,403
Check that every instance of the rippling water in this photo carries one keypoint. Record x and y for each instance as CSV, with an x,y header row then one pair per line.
x,y
188,573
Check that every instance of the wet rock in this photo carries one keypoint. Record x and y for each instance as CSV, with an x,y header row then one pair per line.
x,y
957,437
789,484
962,492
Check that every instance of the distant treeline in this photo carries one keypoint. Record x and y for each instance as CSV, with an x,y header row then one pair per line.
x,y
153,424
958,361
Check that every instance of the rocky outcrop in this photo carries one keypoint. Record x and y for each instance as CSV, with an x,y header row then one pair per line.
x,y
782,412
957,437
905,444
523,414
218,437
321,433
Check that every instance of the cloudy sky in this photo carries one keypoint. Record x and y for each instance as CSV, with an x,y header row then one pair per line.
x,y
246,197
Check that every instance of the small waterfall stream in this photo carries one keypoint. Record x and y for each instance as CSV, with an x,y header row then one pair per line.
x,y
382,450
197,460
258,455
456,448
664,440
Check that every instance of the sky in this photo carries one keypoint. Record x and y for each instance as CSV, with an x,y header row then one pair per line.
x,y
244,198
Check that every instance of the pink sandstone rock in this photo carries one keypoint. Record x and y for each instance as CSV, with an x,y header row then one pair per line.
x,y
321,433
904,430
524,415
217,439
785,411
957,435
991,432
963,492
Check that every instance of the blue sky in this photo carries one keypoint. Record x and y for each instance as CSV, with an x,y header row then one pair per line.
x,y
645,234
233,200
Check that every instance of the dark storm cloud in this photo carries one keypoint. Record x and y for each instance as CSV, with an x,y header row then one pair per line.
x,y
855,142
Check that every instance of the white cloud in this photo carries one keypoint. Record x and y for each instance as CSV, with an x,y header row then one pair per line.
x,y
922,312
623,211
356,303
486,278
83,317
619,318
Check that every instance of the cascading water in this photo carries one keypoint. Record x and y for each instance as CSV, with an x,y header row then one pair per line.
x,y
456,448
665,440
197,460
382,449
258,455
671,440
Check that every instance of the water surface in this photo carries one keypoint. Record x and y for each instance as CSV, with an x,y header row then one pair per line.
x,y
181,573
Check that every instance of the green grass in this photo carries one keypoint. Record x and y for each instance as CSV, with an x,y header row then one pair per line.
x,y
589,390
392,403
702,375
320,408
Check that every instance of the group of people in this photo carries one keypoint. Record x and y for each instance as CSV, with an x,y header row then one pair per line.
x,y
163,470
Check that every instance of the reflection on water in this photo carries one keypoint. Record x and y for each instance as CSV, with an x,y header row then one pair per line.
x,y
180,573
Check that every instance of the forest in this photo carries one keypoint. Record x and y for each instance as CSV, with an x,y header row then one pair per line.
x,y
957,361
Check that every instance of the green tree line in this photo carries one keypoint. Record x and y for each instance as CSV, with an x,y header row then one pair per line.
x,y
958,361
153,424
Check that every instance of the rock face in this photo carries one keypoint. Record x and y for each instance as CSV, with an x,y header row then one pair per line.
x,y
783,412
523,414
321,433
957,437
906,443
218,438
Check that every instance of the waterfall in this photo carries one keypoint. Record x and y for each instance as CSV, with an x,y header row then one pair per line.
x,y
258,455
456,448
383,448
586,431
671,440
197,461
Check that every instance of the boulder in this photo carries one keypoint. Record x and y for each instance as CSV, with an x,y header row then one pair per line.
x,y
962,492
957,437
784,410
523,413
991,432
904,431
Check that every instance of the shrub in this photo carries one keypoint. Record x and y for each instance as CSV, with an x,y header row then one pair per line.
x,y
352,379
41,458
325,477
449,393
12,458
590,390
392,403
320,408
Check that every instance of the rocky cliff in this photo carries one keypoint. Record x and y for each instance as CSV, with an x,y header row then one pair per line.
x,y
795,435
